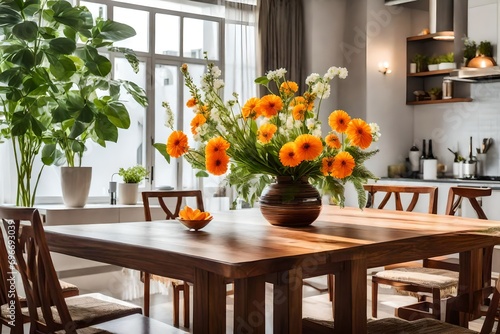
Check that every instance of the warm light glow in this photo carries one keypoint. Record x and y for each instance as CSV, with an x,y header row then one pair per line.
x,y
481,62
383,67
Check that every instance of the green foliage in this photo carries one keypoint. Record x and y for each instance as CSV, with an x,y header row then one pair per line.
x,y
485,49
55,87
435,91
447,58
133,174
470,49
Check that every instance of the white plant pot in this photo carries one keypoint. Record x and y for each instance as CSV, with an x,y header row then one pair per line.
x,y
128,193
75,183
433,67
447,66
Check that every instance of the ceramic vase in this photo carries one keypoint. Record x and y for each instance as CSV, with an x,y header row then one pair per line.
x,y
288,202
128,193
75,183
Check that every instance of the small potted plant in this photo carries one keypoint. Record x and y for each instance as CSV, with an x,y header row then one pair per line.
x,y
435,93
420,61
433,63
447,61
132,176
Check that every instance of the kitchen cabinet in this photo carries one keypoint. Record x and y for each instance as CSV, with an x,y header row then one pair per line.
x,y
432,45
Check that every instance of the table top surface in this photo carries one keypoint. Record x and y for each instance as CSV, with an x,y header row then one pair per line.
x,y
241,242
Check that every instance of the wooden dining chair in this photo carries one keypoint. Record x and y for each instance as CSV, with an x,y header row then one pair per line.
x,y
425,325
399,193
434,277
171,211
48,310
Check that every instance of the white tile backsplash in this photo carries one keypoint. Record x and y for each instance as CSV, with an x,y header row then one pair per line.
x,y
450,125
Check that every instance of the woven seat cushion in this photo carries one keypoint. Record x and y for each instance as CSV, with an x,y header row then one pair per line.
x,y
392,326
445,280
90,309
65,286
87,330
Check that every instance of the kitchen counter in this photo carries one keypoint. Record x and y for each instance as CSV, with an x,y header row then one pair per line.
x,y
491,181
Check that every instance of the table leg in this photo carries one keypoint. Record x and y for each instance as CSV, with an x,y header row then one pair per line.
x,y
209,307
350,297
250,305
287,301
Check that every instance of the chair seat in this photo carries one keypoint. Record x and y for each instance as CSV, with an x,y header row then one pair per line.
x,y
390,326
69,289
94,308
445,280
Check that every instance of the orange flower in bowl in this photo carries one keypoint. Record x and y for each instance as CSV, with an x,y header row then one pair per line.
x,y
194,219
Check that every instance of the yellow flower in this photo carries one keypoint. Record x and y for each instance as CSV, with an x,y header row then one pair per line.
x,y
198,120
333,141
249,110
289,88
269,105
216,145
217,163
308,147
191,102
338,120
343,165
266,132
177,144
327,165
288,155
299,112
359,133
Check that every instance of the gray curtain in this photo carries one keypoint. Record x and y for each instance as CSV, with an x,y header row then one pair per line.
x,y
281,31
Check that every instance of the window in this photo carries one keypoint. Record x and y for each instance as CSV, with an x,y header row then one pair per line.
x,y
169,33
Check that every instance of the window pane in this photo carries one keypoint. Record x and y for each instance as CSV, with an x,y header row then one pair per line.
x,y
166,89
139,20
97,9
167,35
200,36
130,148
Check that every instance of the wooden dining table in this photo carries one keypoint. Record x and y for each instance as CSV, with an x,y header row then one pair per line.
x,y
240,246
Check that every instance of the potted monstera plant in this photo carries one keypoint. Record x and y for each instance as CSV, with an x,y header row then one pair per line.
x,y
55,85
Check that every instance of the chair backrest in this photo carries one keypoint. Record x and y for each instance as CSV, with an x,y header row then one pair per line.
x,y
8,288
180,195
457,194
35,265
492,313
390,190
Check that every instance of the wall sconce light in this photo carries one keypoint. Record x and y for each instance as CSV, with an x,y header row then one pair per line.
x,y
383,68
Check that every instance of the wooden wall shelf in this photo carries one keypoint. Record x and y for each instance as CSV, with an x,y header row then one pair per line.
x,y
453,100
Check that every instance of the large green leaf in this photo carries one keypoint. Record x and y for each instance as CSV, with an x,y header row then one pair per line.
x,y
63,69
60,114
86,114
77,129
105,130
137,92
113,31
26,30
9,16
24,58
66,14
62,45
74,102
162,149
20,123
100,66
37,126
13,76
49,153
117,114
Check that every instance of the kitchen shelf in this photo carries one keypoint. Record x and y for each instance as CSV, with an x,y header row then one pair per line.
x,y
432,45
453,100
430,73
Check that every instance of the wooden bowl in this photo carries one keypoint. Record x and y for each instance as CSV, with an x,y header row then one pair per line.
x,y
194,224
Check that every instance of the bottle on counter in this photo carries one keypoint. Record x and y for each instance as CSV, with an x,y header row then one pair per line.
x,y
423,157
430,155
414,156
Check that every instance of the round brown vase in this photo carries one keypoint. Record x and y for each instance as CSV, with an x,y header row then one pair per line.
x,y
290,203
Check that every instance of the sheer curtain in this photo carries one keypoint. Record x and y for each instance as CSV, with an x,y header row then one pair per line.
x,y
281,32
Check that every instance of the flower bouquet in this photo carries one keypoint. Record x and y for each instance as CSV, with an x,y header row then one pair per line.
x,y
276,135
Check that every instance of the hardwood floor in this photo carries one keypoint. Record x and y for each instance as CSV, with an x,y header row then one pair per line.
x,y
316,303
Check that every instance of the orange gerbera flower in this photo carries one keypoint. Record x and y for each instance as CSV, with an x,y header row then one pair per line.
x,y
299,112
289,87
177,144
338,120
343,165
332,140
297,100
198,120
216,145
289,156
266,132
359,133
191,102
327,165
249,109
217,163
309,147
269,105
